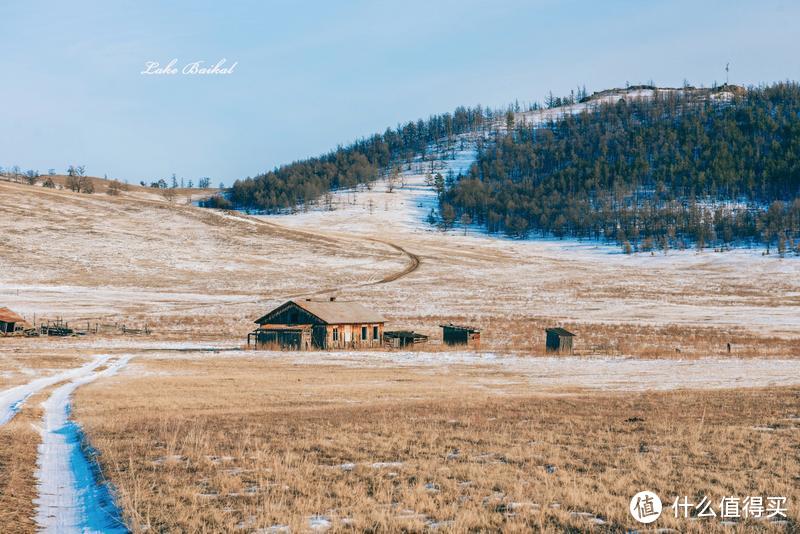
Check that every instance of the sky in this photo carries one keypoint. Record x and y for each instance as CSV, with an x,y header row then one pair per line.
x,y
313,75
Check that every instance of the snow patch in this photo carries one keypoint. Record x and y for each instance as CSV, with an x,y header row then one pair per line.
x,y
319,523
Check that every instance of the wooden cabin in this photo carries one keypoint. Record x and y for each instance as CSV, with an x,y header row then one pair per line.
x,y
559,340
9,321
319,324
460,335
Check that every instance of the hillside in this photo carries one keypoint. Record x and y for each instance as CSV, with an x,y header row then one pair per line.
x,y
659,170
362,162
644,167
197,273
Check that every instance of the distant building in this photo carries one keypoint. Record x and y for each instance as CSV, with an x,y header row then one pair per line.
x,y
559,340
403,338
9,321
319,324
461,335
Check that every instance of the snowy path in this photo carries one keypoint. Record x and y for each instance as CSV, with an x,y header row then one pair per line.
x,y
70,498
11,400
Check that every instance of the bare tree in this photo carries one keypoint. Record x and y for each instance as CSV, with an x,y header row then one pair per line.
x,y
392,179
77,180
73,182
466,220
87,186
113,188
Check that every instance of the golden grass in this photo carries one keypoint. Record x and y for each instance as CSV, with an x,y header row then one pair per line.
x,y
526,335
219,445
19,441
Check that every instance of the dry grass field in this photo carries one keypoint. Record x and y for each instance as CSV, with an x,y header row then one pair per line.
x,y
500,439
18,441
205,444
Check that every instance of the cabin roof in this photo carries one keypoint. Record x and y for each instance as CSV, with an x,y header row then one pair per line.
x,y
8,316
470,329
332,312
559,332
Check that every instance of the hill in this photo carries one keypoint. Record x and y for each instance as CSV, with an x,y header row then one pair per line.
x,y
644,167
661,170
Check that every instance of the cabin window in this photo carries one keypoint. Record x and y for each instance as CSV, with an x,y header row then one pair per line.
x,y
336,334
293,317
374,332
364,333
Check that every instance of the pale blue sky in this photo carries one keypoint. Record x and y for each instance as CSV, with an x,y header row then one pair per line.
x,y
312,75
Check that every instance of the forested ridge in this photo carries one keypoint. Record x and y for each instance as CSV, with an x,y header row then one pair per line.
x,y
668,171
361,162
683,168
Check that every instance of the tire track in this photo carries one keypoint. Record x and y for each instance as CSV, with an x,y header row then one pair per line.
x,y
71,499
11,400
413,260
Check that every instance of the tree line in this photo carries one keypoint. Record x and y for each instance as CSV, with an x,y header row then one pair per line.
x,y
361,162
79,182
675,170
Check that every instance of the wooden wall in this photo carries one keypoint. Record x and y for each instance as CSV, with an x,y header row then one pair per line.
x,y
349,336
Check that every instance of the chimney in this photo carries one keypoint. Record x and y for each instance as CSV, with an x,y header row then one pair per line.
x,y
333,299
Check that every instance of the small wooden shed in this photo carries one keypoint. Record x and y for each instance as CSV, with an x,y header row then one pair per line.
x,y
453,334
403,338
559,340
9,321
